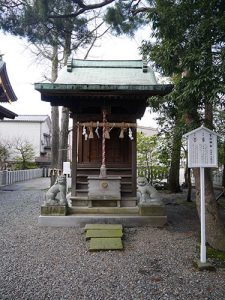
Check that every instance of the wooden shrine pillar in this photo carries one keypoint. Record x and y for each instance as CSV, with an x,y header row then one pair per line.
x,y
134,163
74,157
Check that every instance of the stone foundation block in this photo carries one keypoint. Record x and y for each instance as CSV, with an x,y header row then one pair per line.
x,y
203,266
54,210
152,210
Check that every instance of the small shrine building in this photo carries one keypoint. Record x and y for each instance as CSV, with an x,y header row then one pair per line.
x,y
105,98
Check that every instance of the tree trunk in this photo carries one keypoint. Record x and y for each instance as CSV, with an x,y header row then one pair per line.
x,y
174,172
55,136
187,178
223,176
63,140
189,185
215,232
55,119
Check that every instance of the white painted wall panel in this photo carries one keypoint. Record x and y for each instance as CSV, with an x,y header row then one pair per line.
x,y
9,131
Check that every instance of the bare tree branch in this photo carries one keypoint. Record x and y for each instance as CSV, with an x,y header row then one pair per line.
x,y
83,9
139,10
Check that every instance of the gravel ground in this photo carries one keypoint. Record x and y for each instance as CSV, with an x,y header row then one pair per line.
x,y
54,263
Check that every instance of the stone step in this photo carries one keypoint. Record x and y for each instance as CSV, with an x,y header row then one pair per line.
x,y
81,220
102,226
103,210
105,244
103,233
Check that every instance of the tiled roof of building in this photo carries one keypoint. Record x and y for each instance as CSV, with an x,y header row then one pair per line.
x,y
30,118
94,79
107,72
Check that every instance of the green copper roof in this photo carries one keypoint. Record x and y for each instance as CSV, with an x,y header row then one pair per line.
x,y
102,72
114,76
74,63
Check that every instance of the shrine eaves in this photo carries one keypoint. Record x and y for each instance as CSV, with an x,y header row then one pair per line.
x,y
85,84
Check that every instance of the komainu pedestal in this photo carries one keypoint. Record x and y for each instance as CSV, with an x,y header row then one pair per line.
x,y
52,205
54,210
150,203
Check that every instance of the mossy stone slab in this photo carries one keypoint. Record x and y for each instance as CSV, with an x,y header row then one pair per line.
x,y
105,244
203,266
103,233
152,210
102,226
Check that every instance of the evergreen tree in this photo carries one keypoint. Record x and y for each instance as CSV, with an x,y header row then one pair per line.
x,y
189,40
54,38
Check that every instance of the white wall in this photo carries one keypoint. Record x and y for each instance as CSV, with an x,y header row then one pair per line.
x,y
9,131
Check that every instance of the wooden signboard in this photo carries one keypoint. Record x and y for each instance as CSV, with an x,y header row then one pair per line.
x,y
202,148
202,153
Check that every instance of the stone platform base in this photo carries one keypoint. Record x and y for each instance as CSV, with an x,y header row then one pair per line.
x,y
203,266
152,210
82,220
54,210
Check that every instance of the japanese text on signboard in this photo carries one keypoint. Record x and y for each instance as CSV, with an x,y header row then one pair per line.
x,y
202,149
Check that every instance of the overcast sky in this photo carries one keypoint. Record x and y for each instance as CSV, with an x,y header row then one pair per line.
x,y
23,71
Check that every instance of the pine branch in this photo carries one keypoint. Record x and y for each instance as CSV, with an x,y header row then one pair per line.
x,y
83,8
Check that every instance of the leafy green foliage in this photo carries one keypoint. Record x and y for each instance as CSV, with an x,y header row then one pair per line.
x,y
31,20
4,153
122,20
24,154
188,45
189,40
152,157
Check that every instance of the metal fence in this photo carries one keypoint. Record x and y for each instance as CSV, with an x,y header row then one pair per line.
x,y
9,177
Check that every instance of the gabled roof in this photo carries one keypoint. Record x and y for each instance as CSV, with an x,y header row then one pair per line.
x,y
84,86
107,72
105,75
6,92
30,119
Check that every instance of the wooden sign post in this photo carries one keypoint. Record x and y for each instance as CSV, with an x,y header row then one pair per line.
x,y
202,153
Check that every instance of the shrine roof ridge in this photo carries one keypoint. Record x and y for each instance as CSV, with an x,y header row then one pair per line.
x,y
105,63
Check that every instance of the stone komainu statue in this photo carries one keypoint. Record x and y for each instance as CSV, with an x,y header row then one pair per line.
x,y
58,187
146,193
